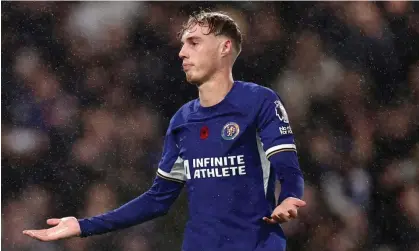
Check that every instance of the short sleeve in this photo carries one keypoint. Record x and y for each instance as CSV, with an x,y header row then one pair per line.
x,y
273,124
171,164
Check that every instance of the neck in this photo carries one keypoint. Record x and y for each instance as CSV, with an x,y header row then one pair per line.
x,y
215,89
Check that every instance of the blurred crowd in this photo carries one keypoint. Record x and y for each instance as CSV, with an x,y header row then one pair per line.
x,y
88,89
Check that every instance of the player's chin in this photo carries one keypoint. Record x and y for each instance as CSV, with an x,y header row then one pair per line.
x,y
192,79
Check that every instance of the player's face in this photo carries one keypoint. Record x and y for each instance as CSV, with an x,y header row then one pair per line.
x,y
199,53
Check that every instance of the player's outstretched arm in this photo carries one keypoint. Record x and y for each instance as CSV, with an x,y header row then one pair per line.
x,y
279,145
152,204
63,228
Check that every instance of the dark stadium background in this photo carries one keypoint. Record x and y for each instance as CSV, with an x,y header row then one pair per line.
x,y
88,89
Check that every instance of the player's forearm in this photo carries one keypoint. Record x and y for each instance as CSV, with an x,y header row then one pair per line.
x,y
154,203
288,171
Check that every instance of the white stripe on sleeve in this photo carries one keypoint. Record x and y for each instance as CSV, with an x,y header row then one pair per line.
x,y
280,147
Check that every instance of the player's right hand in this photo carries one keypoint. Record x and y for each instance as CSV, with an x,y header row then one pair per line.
x,y
66,227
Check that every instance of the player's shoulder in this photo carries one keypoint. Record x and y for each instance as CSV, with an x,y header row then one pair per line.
x,y
181,115
256,91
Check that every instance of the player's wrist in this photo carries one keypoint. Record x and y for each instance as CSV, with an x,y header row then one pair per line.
x,y
84,226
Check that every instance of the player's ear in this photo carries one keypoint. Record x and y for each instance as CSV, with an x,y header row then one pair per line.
x,y
226,47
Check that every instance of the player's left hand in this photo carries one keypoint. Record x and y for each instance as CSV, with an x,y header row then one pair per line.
x,y
286,211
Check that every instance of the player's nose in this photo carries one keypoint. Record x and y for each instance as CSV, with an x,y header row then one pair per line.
x,y
182,53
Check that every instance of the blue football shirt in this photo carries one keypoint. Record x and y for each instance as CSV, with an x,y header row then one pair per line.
x,y
228,156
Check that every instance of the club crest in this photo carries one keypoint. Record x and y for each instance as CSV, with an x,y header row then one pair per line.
x,y
230,131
